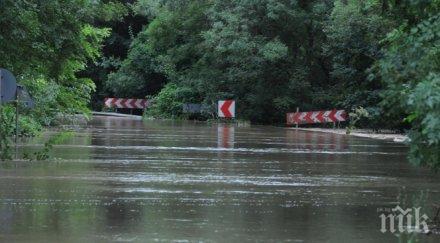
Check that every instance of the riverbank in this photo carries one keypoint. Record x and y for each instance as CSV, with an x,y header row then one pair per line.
x,y
399,138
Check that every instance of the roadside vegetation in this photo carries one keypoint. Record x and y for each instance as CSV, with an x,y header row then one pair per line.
x,y
271,56
46,44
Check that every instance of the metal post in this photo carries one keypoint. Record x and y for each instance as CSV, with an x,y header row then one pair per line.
x,y
297,110
1,78
1,100
17,104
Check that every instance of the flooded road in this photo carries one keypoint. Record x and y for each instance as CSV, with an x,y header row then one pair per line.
x,y
131,181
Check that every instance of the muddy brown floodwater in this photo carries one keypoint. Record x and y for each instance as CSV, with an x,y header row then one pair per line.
x,y
122,180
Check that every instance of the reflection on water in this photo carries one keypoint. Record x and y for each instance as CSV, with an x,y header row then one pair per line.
x,y
125,180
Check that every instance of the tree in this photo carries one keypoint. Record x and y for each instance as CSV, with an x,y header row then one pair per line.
x,y
411,72
354,32
125,23
45,44
230,49
161,51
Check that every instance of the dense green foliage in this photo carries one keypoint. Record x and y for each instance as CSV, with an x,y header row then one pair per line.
x,y
125,24
45,44
411,69
271,56
353,43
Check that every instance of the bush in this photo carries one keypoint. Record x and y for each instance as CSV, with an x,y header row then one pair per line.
x,y
28,126
355,116
6,130
169,102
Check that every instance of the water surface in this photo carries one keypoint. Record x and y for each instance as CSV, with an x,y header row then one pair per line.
x,y
131,181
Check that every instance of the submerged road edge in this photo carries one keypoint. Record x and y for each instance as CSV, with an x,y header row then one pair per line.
x,y
398,138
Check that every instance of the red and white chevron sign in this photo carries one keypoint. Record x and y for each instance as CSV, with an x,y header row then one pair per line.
x,y
316,117
226,108
126,103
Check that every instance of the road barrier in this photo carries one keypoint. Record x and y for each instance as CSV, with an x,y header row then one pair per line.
x,y
312,117
126,103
